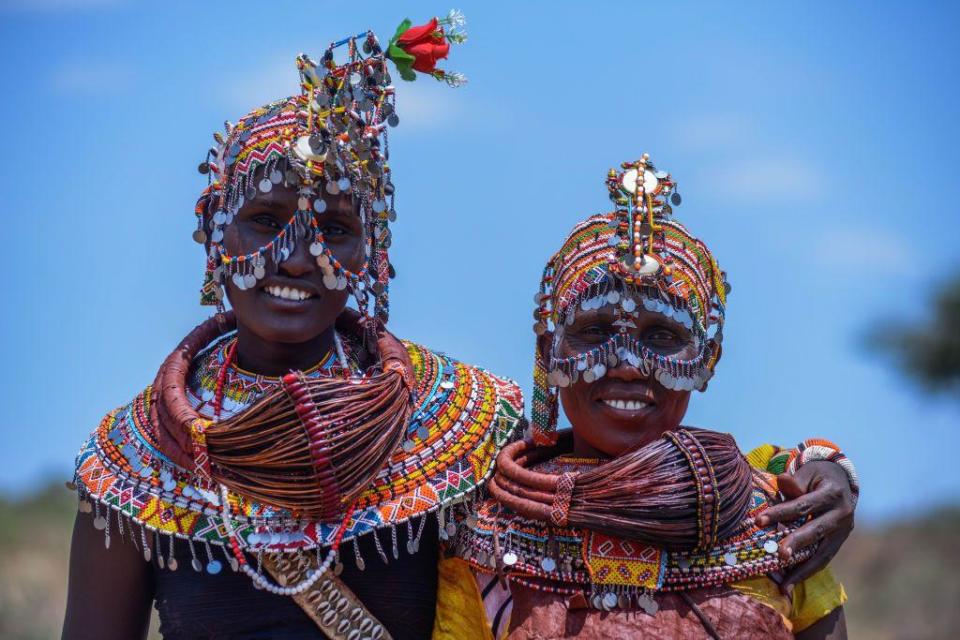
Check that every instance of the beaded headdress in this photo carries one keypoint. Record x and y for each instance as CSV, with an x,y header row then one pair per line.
x,y
331,138
635,255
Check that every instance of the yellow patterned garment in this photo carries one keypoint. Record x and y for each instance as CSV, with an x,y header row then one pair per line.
x,y
464,614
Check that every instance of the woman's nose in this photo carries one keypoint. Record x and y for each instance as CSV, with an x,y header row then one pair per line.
x,y
301,262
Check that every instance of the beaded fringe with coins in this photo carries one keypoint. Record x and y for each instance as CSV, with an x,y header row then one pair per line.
x,y
633,256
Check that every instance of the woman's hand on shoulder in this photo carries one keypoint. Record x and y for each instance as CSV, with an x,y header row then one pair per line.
x,y
822,491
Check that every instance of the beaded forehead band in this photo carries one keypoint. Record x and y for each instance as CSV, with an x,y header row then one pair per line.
x,y
331,138
634,256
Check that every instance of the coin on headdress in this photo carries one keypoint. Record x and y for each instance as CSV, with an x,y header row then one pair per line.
x,y
305,152
631,181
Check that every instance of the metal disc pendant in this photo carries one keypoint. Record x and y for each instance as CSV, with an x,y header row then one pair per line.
x,y
360,563
771,546
276,177
196,565
330,281
217,235
259,272
147,554
379,206
343,183
409,445
548,564
393,119
423,433
410,548
609,601
623,601
510,558
730,559
319,205
237,280
332,187
676,199
316,249
199,236
265,185
172,564
100,523
451,529
249,281
250,193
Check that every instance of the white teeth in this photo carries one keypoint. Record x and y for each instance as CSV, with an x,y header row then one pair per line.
x,y
287,293
626,405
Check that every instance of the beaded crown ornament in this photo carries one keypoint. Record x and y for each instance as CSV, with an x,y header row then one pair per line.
x,y
331,138
635,255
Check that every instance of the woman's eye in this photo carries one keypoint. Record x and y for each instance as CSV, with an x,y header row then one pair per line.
x,y
266,221
330,230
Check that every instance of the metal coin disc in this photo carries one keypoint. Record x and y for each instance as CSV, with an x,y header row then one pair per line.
x,y
629,305
409,445
219,217
676,199
771,546
548,564
730,559
250,193
510,558
237,282
316,249
451,529
276,177
623,601
195,563
343,183
265,185
393,119
214,567
319,205
423,433
100,523
259,272
332,187
249,281
609,601
200,236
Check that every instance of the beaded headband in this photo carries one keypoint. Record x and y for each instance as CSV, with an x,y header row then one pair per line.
x,y
635,255
331,137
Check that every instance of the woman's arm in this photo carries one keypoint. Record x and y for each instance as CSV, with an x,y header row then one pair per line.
x,y
110,590
830,627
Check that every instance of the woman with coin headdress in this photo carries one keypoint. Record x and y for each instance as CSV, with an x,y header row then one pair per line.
x,y
630,524
290,471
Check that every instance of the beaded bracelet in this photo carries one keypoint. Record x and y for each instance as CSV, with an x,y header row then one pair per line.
x,y
814,449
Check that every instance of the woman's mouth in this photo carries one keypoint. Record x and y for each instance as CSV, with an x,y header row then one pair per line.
x,y
625,405
288,293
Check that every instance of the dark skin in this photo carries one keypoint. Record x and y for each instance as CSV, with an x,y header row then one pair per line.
x,y
274,336
600,429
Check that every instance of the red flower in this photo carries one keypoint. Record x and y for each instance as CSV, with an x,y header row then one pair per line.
x,y
426,44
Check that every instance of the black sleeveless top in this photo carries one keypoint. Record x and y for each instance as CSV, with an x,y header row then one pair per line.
x,y
401,595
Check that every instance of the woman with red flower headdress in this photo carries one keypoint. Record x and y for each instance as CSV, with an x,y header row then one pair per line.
x,y
291,469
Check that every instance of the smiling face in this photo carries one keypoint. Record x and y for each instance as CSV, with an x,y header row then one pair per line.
x,y
626,408
291,305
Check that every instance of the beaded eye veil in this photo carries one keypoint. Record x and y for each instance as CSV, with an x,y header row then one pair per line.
x,y
331,138
634,256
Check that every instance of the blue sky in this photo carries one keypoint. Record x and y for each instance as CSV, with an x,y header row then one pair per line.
x,y
814,147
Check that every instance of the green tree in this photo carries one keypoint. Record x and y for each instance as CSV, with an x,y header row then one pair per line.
x,y
928,351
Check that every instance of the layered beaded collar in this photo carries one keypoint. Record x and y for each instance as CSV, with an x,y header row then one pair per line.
x,y
608,572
